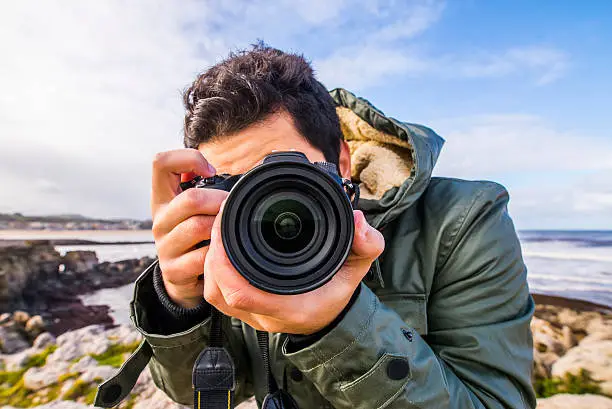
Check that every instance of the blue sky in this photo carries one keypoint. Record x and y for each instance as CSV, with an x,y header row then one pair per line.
x,y
520,90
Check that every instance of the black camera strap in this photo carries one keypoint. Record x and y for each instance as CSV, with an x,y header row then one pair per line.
x,y
214,373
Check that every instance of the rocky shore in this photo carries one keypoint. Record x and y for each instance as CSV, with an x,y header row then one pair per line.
x,y
51,356
36,279
572,347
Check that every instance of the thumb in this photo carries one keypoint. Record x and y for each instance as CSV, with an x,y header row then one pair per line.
x,y
368,243
215,233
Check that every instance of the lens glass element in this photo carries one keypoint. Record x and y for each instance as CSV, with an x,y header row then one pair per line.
x,y
287,225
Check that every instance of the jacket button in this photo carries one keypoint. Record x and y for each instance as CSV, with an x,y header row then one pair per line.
x,y
296,375
397,369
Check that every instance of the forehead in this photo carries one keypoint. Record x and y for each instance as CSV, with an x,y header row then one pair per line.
x,y
244,150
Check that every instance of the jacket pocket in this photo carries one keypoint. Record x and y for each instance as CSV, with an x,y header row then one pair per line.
x,y
411,307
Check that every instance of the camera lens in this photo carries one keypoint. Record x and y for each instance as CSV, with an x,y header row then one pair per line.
x,y
287,226
285,222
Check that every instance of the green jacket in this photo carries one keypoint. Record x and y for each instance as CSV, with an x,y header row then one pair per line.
x,y
448,297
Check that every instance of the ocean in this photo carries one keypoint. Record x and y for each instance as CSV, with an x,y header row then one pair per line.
x,y
573,264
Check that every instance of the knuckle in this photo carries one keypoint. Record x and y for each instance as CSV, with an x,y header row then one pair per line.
x,y
211,294
237,299
191,199
201,226
157,229
159,159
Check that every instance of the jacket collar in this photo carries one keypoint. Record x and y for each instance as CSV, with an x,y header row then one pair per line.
x,y
392,160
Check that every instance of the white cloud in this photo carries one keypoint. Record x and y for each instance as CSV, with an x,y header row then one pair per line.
x,y
556,178
356,67
91,90
369,65
414,20
547,64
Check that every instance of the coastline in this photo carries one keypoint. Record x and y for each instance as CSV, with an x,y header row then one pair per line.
x,y
69,242
571,303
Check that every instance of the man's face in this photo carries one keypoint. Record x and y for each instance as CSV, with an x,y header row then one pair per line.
x,y
237,153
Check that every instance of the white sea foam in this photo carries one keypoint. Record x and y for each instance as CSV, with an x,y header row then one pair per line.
x,y
569,264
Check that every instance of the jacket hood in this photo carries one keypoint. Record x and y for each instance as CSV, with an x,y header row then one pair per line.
x,y
391,160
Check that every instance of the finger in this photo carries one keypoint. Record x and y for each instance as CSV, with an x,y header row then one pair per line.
x,y
184,270
368,243
213,295
185,236
167,169
236,291
187,204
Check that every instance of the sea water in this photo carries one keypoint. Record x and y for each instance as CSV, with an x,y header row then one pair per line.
x,y
573,264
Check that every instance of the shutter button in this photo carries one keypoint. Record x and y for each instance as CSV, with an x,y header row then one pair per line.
x,y
397,369
296,375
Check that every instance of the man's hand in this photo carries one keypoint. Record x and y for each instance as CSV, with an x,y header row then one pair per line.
x,y
180,221
304,313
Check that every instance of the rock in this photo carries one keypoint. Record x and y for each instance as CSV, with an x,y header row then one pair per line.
x,y
595,357
83,364
75,344
599,326
21,264
596,337
95,373
21,317
578,321
11,341
566,401
543,362
37,378
15,362
35,326
80,261
60,404
546,338
606,388
159,400
5,317
568,337
43,340
124,334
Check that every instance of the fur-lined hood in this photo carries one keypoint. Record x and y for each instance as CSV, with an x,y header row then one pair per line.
x,y
391,160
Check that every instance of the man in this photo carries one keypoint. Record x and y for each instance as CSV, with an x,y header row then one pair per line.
x,y
431,308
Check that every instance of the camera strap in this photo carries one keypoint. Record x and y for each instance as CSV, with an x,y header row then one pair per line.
x,y
214,373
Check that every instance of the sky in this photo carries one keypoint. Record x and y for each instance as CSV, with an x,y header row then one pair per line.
x,y
520,90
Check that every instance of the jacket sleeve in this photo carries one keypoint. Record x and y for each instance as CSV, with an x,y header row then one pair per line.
x,y
174,354
478,351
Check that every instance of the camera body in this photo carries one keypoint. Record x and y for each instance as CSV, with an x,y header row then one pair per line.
x,y
287,224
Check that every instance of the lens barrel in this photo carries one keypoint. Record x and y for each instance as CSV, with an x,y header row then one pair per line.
x,y
287,225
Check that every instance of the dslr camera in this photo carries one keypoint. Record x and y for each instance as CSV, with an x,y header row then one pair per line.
x,y
287,225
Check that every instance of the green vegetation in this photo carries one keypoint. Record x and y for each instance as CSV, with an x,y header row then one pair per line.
x,y
574,384
70,375
37,360
113,356
80,389
41,358
16,395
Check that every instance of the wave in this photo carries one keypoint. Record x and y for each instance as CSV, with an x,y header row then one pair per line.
x,y
573,288
568,256
561,278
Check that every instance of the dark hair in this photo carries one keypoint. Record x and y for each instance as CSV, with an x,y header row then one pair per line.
x,y
250,85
